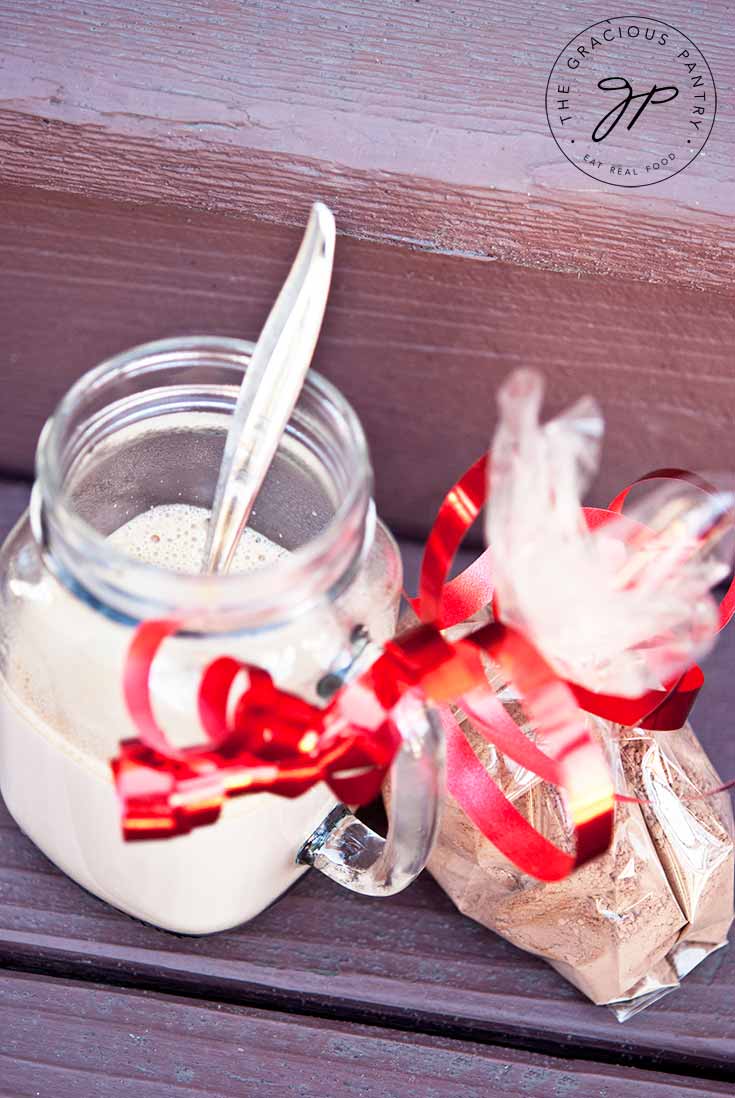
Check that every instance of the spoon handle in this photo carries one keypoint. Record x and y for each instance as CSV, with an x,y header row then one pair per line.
x,y
271,388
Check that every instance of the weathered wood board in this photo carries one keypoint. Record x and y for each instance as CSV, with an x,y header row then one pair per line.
x,y
417,341
62,1038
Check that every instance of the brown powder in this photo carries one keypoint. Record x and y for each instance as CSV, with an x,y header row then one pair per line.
x,y
625,928
606,928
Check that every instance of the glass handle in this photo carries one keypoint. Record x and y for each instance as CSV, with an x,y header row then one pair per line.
x,y
349,852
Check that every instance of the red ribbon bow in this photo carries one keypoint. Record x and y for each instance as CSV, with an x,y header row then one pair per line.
x,y
271,741
276,742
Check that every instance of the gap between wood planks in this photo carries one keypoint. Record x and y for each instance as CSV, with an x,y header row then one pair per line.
x,y
218,1047
141,978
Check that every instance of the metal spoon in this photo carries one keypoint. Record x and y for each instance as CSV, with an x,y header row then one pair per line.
x,y
271,387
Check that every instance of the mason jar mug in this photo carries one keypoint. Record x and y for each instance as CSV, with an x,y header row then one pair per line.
x,y
126,471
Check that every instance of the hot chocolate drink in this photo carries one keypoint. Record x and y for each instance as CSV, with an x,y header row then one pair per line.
x,y
62,716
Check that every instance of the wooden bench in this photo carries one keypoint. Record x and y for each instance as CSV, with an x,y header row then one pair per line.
x,y
156,163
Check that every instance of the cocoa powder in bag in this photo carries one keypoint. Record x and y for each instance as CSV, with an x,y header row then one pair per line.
x,y
618,608
627,926
608,928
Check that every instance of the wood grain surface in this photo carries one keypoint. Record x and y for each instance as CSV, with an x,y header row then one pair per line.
x,y
62,1038
421,123
418,342
14,496
411,962
408,962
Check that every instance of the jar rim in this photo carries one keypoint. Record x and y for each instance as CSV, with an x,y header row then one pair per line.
x,y
305,574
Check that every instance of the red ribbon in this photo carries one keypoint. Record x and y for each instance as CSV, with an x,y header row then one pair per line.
x,y
451,603
272,741
456,601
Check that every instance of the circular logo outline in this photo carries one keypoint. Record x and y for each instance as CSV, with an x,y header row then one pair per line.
x,y
612,19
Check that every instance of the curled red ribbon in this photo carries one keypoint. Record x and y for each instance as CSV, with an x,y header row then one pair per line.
x,y
452,602
274,741
271,740
457,601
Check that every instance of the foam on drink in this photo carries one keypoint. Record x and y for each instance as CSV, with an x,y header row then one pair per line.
x,y
173,536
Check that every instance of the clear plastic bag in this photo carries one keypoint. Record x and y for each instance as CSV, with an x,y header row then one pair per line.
x,y
628,926
619,610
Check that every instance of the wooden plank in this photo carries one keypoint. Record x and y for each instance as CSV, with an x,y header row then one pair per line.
x,y
409,961
62,1038
418,342
425,125
14,497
